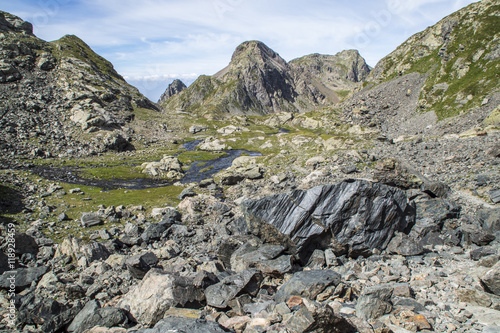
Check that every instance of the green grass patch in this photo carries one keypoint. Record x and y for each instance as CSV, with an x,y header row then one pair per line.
x,y
115,172
206,169
343,93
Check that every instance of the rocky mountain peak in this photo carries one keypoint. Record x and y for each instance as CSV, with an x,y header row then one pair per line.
x,y
12,23
173,88
255,51
259,81
250,55
358,69
337,72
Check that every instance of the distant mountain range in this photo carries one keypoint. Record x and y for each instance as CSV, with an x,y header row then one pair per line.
x,y
258,81
64,97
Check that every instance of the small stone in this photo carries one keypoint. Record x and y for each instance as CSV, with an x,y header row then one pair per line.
x,y
294,301
482,252
279,178
187,192
330,258
349,169
62,217
104,234
494,195
138,265
375,301
421,322
197,128
404,245
474,297
183,313
90,220
282,308
489,261
435,189
491,280
307,284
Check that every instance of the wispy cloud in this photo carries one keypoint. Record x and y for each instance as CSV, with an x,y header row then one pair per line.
x,y
159,40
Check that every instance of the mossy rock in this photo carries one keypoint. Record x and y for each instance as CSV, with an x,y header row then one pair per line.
x,y
494,118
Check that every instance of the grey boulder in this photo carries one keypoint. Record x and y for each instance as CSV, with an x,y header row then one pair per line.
x,y
319,319
93,315
491,280
95,251
155,231
156,293
266,258
90,220
375,301
25,244
403,245
22,277
184,325
307,284
220,294
494,195
356,215
139,264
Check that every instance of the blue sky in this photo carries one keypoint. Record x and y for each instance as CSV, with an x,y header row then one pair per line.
x,y
151,42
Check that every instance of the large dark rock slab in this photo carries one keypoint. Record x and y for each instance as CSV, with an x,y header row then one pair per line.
x,y
355,215
36,310
50,315
317,318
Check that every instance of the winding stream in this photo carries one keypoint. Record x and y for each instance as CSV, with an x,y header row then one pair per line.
x,y
211,167
198,171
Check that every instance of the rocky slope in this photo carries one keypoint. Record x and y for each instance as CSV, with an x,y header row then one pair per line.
x,y
258,81
447,70
57,96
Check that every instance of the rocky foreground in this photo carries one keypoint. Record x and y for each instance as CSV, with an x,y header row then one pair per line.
x,y
283,254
